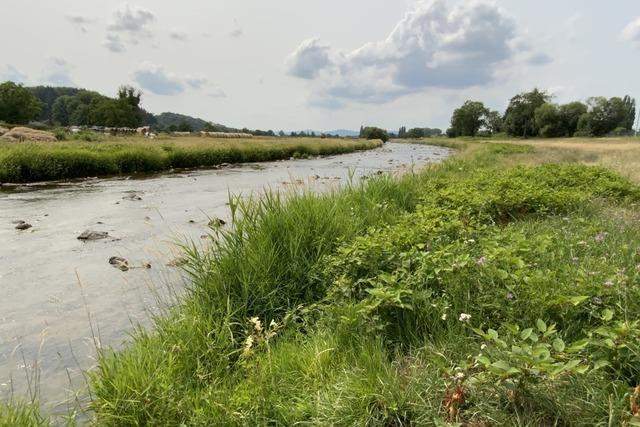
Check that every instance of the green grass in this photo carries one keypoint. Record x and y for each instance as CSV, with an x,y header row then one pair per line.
x,y
34,162
22,415
343,309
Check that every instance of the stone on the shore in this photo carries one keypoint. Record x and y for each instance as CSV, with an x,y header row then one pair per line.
x,y
120,263
217,222
93,235
23,226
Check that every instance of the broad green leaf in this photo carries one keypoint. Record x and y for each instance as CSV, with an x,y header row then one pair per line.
x,y
526,333
493,334
607,315
502,275
542,327
503,365
484,360
601,364
578,300
558,345
578,346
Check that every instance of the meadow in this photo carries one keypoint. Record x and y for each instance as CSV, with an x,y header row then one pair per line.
x,y
47,161
501,287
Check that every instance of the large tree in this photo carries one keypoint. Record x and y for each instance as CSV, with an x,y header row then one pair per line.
x,y
630,112
570,116
468,119
548,122
371,132
17,104
494,122
519,119
606,115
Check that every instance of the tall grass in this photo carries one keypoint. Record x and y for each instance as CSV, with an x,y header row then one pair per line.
x,y
347,308
32,162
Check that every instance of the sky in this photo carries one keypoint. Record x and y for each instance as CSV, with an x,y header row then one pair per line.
x,y
329,64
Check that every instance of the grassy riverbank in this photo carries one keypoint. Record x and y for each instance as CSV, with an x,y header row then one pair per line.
x,y
499,288
33,162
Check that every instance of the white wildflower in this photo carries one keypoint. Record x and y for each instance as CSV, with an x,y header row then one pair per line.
x,y
464,317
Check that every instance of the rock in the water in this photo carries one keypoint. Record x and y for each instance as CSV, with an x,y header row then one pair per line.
x,y
23,226
120,263
217,222
133,196
93,235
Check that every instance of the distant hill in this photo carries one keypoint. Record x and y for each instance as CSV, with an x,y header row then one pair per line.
x,y
339,132
167,120
343,132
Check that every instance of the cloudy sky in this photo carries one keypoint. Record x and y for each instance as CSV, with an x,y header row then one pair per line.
x,y
291,64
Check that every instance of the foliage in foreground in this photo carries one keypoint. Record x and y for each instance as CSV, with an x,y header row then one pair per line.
x,y
21,415
465,295
34,162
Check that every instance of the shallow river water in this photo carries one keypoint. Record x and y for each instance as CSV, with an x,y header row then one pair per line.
x,y
60,296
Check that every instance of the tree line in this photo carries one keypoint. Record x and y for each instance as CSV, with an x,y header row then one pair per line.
x,y
65,106
68,106
532,114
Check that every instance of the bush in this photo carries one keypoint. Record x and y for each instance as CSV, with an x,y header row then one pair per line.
x,y
375,133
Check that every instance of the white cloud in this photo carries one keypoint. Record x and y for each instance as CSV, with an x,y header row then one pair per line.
x,y
217,93
11,73
308,59
236,33
132,22
114,43
432,46
58,73
196,82
82,22
157,81
632,31
540,59
178,36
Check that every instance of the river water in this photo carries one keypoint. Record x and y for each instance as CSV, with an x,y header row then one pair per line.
x,y
60,295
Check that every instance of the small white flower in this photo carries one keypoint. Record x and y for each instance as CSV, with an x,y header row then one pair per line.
x,y
444,316
464,317
483,346
459,375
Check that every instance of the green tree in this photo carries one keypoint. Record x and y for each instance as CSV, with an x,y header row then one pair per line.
x,y
185,127
494,122
62,109
605,115
570,115
17,104
630,112
402,132
468,119
519,119
371,132
415,133
548,121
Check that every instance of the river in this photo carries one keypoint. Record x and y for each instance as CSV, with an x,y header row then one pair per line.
x,y
60,295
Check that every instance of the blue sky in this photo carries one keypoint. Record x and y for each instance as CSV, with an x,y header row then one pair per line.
x,y
290,64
